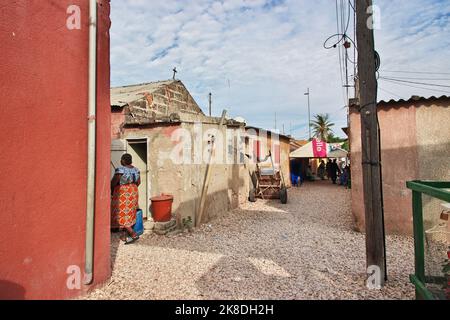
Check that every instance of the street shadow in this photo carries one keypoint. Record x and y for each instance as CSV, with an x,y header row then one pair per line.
x,y
247,257
11,291
242,284
115,243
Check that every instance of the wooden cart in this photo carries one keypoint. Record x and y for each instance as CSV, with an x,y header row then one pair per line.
x,y
268,183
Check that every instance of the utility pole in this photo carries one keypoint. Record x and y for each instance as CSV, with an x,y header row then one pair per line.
x,y
371,162
275,121
210,103
309,115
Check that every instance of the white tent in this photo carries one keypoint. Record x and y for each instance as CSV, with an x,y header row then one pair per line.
x,y
303,152
307,151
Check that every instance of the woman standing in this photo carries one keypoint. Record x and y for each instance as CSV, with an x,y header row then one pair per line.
x,y
125,198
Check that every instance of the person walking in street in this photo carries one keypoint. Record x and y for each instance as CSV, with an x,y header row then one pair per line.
x,y
334,171
343,179
328,169
321,170
125,198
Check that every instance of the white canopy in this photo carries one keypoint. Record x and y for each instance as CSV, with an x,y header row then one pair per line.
x,y
303,152
309,150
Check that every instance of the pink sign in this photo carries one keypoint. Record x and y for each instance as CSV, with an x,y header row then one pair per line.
x,y
319,149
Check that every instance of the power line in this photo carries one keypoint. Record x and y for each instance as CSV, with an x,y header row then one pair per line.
x,y
343,17
387,91
423,79
414,82
416,72
339,50
417,87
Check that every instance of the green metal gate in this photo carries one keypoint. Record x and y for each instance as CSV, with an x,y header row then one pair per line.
x,y
425,283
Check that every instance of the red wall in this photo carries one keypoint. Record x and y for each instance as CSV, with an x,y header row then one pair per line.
x,y
44,97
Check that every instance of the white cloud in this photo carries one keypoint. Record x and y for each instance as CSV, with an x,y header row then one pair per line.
x,y
258,57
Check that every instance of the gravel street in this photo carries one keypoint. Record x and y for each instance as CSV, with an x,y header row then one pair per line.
x,y
265,250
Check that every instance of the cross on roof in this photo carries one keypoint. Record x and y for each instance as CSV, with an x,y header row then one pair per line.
x,y
174,72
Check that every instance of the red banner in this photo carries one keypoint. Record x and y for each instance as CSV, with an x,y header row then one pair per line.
x,y
319,149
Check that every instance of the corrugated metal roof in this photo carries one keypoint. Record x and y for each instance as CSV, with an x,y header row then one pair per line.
x,y
272,132
393,103
121,96
413,99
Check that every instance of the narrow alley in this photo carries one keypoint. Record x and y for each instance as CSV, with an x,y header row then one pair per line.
x,y
265,250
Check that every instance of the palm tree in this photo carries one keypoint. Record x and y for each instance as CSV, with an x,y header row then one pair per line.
x,y
322,126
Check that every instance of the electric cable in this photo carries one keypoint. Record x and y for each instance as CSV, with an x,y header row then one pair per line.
x,y
416,72
387,91
413,86
422,79
413,82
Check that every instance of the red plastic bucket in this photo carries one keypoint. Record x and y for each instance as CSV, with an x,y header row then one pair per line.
x,y
161,208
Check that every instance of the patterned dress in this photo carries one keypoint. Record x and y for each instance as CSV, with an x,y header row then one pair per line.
x,y
125,198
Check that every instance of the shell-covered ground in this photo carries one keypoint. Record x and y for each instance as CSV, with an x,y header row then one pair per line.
x,y
305,249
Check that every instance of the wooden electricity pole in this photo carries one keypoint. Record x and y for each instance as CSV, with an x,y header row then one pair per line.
x,y
371,162
210,102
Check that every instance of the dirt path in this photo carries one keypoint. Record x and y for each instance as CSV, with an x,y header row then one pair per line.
x,y
265,250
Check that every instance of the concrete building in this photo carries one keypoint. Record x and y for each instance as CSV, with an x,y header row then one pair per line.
x,y
415,145
260,142
169,136
43,163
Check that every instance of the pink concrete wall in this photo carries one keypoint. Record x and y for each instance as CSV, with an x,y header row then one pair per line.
x,y
43,163
399,164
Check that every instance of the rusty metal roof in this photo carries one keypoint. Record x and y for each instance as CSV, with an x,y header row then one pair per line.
x,y
121,96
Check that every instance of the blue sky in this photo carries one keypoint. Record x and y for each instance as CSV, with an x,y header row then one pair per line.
x,y
258,57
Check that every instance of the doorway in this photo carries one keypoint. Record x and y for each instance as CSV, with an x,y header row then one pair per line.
x,y
138,149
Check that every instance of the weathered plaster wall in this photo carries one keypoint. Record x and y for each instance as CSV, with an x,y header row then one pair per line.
x,y
117,120
266,145
285,161
433,144
415,145
399,164
185,180
44,94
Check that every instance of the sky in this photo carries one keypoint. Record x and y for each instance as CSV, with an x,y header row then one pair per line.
x,y
258,57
